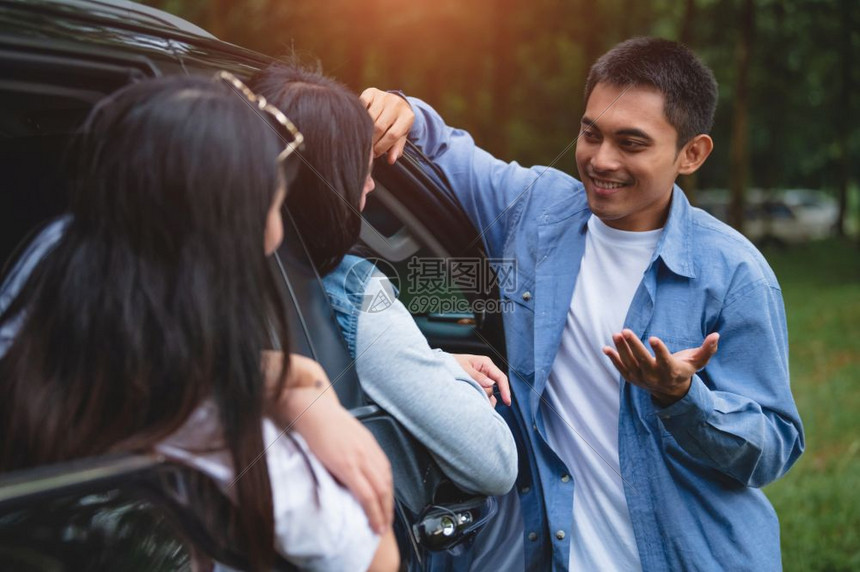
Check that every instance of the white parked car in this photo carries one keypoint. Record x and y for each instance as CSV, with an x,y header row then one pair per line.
x,y
817,211
790,216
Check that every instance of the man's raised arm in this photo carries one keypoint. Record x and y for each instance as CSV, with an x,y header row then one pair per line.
x,y
491,191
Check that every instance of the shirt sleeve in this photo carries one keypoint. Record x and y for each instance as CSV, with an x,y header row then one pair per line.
x,y
739,416
491,192
432,396
319,526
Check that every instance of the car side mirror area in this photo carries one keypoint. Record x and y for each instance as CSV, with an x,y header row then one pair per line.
x,y
434,513
447,526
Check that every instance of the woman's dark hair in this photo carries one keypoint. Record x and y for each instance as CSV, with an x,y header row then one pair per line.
x,y
688,86
325,198
159,294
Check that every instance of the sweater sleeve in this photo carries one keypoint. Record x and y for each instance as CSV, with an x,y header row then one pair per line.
x,y
432,396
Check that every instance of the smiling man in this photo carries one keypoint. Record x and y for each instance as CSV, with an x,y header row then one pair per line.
x,y
645,445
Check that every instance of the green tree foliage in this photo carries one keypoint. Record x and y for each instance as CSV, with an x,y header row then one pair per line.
x,y
512,72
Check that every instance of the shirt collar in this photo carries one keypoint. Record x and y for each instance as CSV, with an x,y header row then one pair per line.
x,y
674,244
674,247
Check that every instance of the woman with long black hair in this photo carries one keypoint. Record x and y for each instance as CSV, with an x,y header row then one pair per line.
x,y
442,399
138,321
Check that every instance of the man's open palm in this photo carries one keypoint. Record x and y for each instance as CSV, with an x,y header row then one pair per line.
x,y
665,375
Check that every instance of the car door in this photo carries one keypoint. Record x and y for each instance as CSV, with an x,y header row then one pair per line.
x,y
415,228
120,512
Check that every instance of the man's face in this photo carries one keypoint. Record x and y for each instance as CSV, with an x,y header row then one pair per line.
x,y
627,157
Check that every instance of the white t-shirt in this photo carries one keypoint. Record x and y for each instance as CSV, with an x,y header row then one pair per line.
x,y
583,396
318,524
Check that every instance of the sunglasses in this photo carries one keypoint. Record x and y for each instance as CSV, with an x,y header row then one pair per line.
x,y
291,135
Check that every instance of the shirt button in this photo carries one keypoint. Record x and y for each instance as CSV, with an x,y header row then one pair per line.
x,y
565,478
525,489
534,426
532,536
527,296
560,535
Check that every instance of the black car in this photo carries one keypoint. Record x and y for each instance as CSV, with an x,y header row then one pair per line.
x,y
141,512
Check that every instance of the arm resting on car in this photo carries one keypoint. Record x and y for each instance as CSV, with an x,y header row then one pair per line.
x,y
434,398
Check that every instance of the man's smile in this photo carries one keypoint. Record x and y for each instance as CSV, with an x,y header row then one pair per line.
x,y
605,186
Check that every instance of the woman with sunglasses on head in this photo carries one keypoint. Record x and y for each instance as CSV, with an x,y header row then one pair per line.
x,y
137,323
432,393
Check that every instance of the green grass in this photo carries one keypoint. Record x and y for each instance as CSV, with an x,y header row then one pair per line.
x,y
818,502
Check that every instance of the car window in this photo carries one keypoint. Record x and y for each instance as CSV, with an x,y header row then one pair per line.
x,y
429,281
777,210
43,100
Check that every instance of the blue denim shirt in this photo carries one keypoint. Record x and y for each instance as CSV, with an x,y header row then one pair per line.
x,y
691,471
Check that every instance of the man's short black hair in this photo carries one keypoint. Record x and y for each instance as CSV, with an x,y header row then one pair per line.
x,y
687,84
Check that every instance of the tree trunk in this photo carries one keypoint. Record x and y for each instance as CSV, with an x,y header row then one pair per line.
x,y
504,50
359,40
846,57
689,183
739,158
637,19
218,13
592,28
772,172
685,36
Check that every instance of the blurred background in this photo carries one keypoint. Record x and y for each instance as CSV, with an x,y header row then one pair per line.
x,y
785,168
512,73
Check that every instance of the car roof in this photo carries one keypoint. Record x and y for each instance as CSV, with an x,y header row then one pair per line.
x,y
116,11
45,17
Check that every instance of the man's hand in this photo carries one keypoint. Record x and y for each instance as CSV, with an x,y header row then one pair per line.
x,y
665,375
343,445
484,371
392,119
